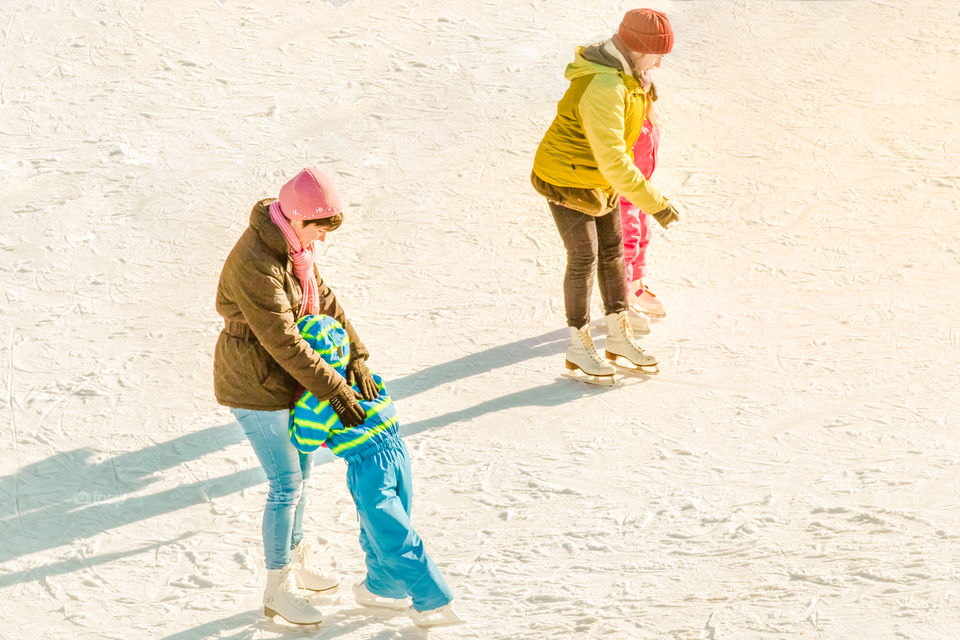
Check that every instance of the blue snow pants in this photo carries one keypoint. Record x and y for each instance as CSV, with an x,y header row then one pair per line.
x,y
398,566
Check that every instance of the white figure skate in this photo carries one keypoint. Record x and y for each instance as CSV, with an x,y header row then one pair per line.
x,y
367,599
621,344
645,302
439,617
281,598
638,321
308,575
582,356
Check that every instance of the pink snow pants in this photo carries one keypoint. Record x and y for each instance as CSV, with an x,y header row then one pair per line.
x,y
636,223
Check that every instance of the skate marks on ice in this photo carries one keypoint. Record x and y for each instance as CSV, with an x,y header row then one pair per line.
x,y
682,558
667,534
80,560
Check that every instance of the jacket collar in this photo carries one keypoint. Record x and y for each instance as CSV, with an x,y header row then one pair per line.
x,y
610,49
266,230
606,54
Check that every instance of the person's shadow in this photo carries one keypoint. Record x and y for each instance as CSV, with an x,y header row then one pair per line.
x,y
505,355
548,395
67,497
558,392
337,622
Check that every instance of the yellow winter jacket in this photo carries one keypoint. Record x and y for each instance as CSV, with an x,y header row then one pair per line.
x,y
589,145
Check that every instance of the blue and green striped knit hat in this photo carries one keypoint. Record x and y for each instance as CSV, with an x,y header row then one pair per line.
x,y
328,338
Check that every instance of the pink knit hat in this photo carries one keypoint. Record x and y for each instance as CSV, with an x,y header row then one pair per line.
x,y
310,195
646,31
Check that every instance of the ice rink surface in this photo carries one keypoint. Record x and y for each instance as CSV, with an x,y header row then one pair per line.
x,y
791,473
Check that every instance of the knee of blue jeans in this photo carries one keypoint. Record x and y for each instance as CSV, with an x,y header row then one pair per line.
x,y
285,497
286,490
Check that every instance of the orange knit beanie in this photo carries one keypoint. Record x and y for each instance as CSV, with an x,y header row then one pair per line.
x,y
646,31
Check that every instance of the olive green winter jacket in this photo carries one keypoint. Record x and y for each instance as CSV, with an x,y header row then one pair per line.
x,y
585,156
261,361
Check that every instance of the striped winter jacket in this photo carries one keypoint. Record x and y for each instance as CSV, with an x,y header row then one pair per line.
x,y
314,423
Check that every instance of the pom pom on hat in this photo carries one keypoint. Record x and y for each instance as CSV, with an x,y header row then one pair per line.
x,y
310,195
646,31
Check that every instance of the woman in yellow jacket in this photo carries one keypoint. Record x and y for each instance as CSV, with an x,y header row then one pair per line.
x,y
583,166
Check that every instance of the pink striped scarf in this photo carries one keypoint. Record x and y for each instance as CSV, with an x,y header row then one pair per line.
x,y
303,258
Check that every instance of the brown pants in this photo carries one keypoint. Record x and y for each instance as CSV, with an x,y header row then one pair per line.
x,y
593,244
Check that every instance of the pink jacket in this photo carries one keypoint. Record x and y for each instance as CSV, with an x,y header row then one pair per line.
x,y
645,153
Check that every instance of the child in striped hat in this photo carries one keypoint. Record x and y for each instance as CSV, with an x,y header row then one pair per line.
x,y
381,483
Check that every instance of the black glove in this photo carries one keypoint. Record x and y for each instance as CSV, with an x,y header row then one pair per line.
x,y
666,216
349,411
358,374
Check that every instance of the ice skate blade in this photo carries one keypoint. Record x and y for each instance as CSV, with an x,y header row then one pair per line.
x,y
319,592
367,599
597,381
574,372
637,372
440,623
329,591
640,369
399,605
650,314
442,617
270,613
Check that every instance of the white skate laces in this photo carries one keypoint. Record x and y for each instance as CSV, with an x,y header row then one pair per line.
x,y
303,555
582,358
587,342
621,342
286,580
627,330
308,575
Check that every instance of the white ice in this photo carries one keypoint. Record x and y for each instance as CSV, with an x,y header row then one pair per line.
x,y
791,473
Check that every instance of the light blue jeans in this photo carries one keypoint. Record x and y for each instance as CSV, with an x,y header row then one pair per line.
x,y
286,469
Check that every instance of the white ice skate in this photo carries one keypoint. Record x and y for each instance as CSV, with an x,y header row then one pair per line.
x,y
281,598
621,344
308,575
638,322
582,356
367,599
645,302
439,617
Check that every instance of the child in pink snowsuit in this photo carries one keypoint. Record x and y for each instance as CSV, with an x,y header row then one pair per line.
x,y
636,225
